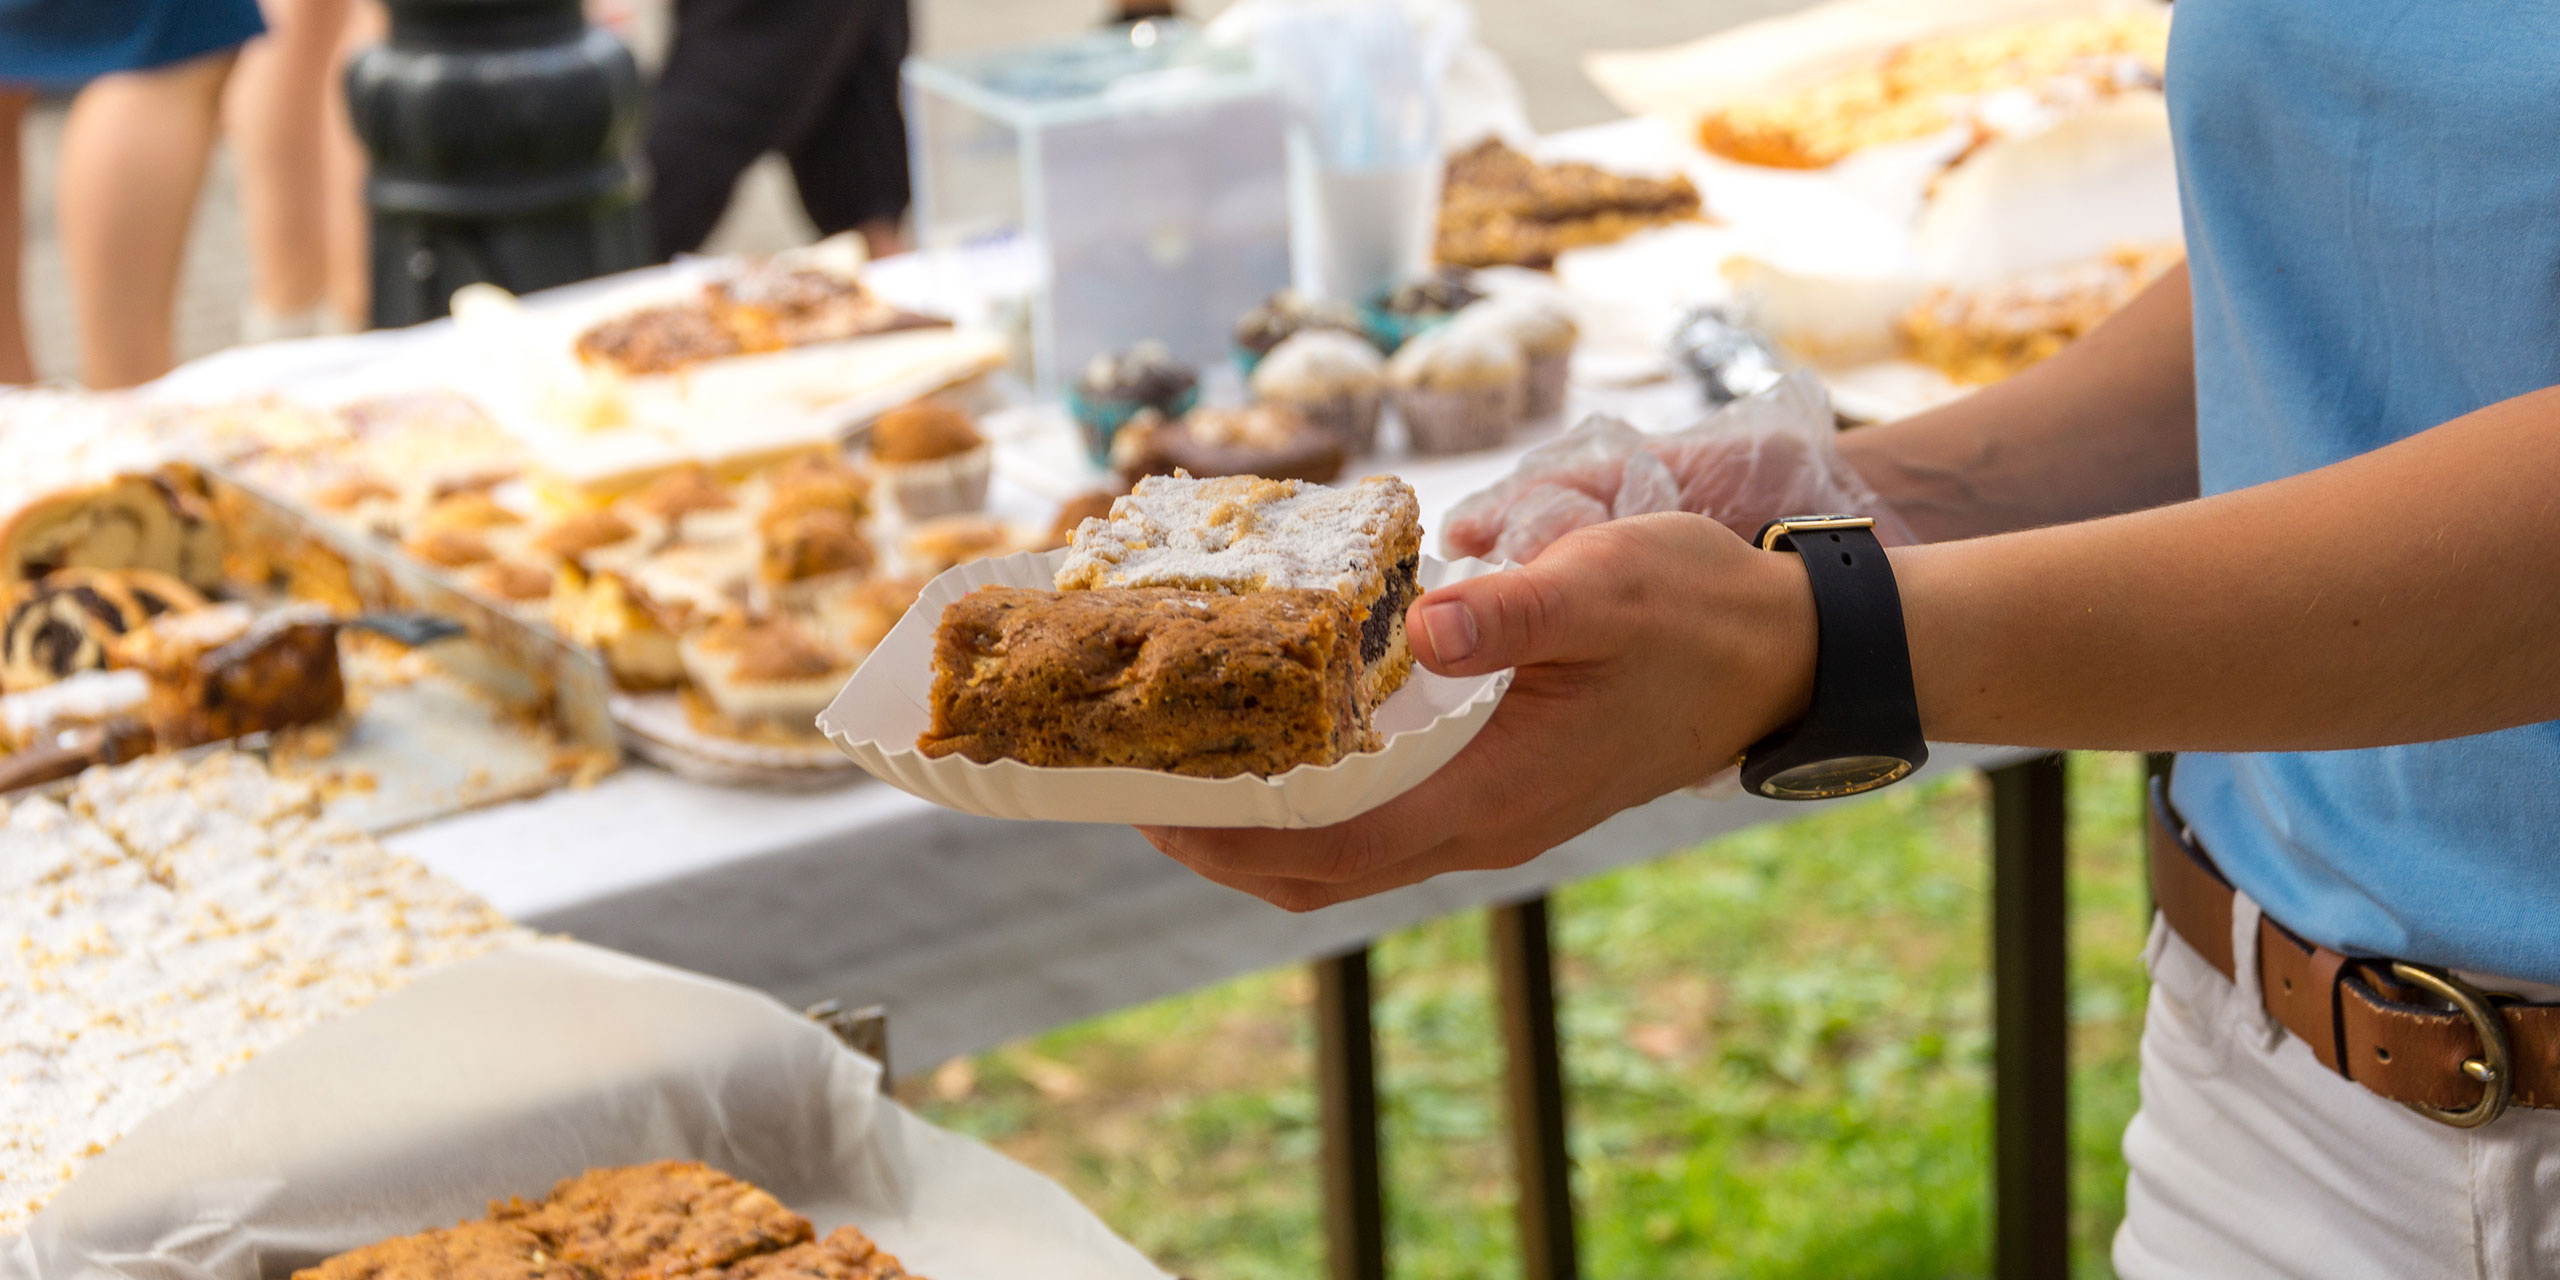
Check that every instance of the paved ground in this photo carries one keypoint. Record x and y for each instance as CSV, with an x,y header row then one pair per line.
x,y
1541,40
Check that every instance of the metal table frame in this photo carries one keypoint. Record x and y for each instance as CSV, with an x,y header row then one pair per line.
x,y
2031,1069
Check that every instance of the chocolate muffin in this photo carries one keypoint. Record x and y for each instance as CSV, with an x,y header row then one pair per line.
x,y
1285,315
1267,440
1427,302
1115,388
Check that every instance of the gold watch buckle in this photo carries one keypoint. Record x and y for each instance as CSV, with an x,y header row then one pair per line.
x,y
1785,525
2494,1068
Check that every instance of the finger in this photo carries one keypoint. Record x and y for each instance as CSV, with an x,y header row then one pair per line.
x,y
1279,891
1501,847
1506,619
1467,792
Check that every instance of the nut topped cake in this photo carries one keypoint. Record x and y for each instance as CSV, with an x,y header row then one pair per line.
x,y
1243,534
661,1221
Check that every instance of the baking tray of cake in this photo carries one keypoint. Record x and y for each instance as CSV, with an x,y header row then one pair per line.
x,y
498,1077
719,362
504,711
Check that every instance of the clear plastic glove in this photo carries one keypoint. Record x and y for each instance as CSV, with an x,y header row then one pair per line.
x,y
1759,458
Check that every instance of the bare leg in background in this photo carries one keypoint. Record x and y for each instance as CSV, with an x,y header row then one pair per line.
x,y
134,152
16,366
350,229
301,173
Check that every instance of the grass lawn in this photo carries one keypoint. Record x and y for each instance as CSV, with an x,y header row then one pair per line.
x,y
1777,1044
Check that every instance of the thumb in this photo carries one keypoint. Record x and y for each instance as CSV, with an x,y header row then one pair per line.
x,y
1513,618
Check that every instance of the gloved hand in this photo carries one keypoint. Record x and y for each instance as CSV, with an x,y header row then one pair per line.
x,y
1765,456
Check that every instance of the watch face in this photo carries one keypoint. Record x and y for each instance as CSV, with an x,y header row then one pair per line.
x,y
1840,776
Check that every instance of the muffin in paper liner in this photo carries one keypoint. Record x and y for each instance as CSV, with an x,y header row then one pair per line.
x,y
1333,379
1542,391
1351,417
889,702
1457,421
1542,325
939,486
1459,388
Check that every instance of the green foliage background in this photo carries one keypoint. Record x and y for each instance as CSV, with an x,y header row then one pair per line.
x,y
1777,1046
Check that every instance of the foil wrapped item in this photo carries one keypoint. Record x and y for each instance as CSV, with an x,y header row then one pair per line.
x,y
1728,360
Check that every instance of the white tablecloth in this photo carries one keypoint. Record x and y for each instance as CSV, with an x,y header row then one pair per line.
x,y
972,931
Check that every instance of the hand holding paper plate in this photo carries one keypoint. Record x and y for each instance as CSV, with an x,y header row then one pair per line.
x,y
878,717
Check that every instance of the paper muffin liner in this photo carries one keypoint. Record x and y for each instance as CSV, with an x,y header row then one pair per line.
x,y
1349,416
888,703
1457,421
1542,391
939,486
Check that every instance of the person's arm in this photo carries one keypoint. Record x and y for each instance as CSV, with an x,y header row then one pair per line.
x,y
2107,425
2409,594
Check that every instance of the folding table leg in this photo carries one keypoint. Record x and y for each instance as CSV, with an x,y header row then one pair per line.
x,y
1347,1086
2031,1073
1524,967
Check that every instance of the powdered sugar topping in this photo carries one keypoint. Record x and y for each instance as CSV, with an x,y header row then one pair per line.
x,y
1239,533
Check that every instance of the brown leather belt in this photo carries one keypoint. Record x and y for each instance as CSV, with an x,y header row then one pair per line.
x,y
2417,1035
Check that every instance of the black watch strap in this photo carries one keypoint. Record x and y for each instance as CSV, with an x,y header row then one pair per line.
x,y
1864,707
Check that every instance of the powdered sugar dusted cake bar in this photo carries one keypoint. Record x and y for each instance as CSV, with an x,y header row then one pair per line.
x,y
168,920
1244,534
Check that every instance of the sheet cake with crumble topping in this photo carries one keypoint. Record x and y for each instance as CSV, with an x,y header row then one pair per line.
x,y
1242,534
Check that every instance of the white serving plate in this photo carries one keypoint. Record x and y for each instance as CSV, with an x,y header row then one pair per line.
x,y
888,703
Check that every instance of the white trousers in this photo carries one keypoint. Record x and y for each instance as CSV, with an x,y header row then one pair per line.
x,y
2249,1158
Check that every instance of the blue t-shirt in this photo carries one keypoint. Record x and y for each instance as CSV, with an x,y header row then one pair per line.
x,y
2372,197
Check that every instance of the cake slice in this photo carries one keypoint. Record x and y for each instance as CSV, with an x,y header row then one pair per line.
x,y
1189,682
845,1254
471,1251
225,672
764,679
670,1218
1244,535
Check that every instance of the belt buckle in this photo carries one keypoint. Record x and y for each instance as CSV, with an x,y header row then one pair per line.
x,y
2494,1068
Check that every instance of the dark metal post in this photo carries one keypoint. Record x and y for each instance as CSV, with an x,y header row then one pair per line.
x,y
502,136
1524,970
865,1030
1347,1085
2031,1072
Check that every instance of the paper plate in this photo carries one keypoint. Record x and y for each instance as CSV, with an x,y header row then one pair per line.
x,y
888,703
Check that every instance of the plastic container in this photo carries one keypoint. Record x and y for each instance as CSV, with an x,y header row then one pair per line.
x,y
1138,177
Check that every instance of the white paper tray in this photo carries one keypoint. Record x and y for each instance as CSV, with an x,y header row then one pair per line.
x,y
655,727
500,1076
889,702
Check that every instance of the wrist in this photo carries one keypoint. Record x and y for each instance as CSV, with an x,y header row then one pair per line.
x,y
1782,638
